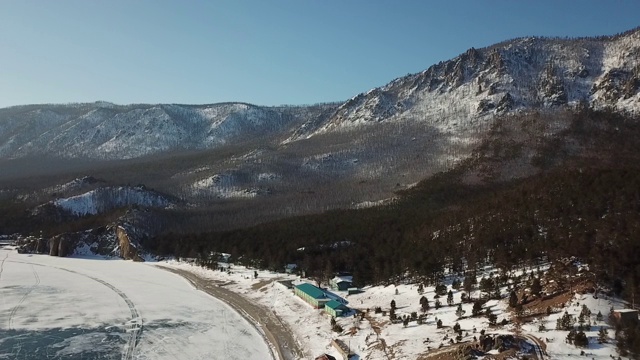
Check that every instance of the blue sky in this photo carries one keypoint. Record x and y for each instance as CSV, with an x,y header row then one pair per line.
x,y
266,52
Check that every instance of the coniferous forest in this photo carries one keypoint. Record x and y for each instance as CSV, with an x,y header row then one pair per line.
x,y
583,201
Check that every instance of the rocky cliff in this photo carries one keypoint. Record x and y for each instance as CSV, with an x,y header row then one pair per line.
x,y
107,241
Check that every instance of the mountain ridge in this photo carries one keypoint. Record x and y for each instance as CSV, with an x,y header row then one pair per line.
x,y
454,96
232,165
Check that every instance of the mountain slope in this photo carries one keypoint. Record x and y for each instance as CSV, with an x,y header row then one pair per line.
x,y
458,96
233,165
517,75
107,131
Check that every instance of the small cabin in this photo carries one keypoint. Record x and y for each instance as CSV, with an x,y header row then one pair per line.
x,y
625,316
341,283
290,268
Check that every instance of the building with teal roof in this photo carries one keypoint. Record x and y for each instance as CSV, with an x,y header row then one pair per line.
x,y
313,295
335,308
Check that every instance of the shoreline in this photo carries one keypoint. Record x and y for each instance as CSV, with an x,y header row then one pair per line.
x,y
276,334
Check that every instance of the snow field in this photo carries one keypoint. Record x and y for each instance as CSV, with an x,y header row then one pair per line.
x,y
78,308
375,337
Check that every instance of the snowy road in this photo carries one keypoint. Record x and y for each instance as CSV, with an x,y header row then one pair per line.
x,y
69,308
537,348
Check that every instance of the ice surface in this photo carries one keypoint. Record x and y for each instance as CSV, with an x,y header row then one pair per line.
x,y
79,308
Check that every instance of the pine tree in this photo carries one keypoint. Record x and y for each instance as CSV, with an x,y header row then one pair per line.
x,y
450,298
581,321
456,327
565,322
420,289
493,319
393,304
477,308
603,335
456,284
439,324
424,304
581,339
459,311
513,299
536,287
468,283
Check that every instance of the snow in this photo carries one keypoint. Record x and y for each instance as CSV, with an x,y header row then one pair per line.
x,y
369,204
446,96
104,199
557,348
313,331
78,308
222,186
54,297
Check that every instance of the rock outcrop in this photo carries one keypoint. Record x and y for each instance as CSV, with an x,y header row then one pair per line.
x,y
114,240
128,251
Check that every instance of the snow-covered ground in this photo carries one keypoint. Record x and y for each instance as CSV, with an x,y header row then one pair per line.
x,y
89,308
557,348
76,308
374,337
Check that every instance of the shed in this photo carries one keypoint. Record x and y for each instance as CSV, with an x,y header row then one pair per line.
x,y
341,283
335,308
342,348
313,295
626,316
353,290
290,268
286,283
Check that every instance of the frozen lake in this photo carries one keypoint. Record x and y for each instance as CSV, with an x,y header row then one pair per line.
x,y
72,308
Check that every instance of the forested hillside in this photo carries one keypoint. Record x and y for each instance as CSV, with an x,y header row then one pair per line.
x,y
584,201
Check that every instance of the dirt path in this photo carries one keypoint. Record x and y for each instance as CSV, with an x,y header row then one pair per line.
x,y
276,332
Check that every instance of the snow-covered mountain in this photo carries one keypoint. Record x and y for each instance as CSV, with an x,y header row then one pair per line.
x,y
106,131
267,163
456,96
517,75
